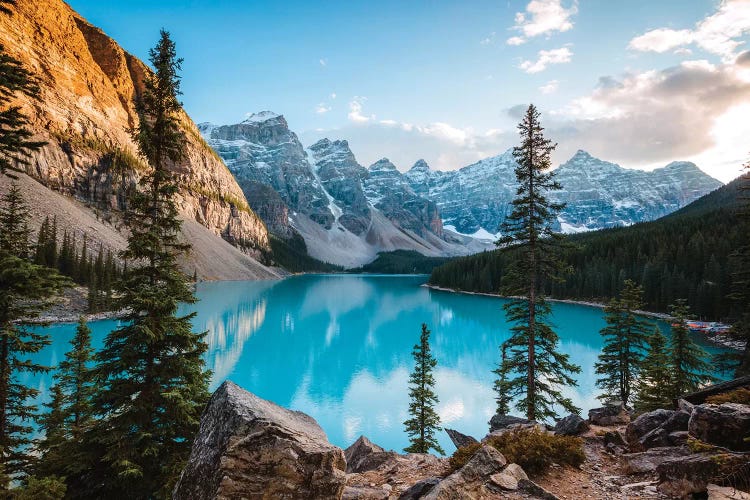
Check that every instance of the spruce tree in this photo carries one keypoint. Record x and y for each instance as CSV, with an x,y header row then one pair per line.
x,y
71,410
151,376
501,383
689,366
739,362
654,385
537,369
424,422
624,339
24,290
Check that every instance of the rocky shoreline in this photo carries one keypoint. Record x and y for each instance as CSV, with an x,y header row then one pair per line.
x,y
248,447
719,339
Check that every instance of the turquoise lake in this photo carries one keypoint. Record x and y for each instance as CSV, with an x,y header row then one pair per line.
x,y
338,347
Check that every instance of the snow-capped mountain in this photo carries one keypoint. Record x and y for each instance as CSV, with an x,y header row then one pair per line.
x,y
476,199
345,212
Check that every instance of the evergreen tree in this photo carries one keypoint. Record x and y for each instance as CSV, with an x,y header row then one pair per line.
x,y
151,376
740,296
24,289
40,255
689,368
501,383
15,143
424,422
538,370
654,385
71,410
624,339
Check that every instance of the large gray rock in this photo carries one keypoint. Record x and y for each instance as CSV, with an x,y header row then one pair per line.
x,y
685,476
572,425
460,440
656,429
648,461
726,425
248,447
498,422
363,456
473,480
610,414
420,488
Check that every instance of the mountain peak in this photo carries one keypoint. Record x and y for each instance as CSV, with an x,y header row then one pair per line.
x,y
383,164
421,165
262,116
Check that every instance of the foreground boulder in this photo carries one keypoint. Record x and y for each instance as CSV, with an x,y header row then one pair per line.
x,y
689,475
363,456
657,428
248,447
572,425
726,425
473,480
499,422
460,440
613,413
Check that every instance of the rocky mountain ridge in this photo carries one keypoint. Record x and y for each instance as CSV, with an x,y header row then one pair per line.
x,y
87,86
345,213
598,194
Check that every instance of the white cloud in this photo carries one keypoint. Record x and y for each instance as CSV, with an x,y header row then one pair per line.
x,y
717,34
543,17
355,111
389,123
691,111
545,58
322,108
549,87
333,95
323,62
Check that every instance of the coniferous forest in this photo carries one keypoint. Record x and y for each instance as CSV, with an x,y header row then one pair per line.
x,y
687,254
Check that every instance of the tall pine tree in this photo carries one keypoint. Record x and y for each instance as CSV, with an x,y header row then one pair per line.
x,y
71,411
424,422
654,385
151,376
739,362
538,370
689,366
624,340
24,289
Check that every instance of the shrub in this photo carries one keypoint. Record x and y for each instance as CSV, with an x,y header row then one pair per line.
x,y
463,455
535,450
741,396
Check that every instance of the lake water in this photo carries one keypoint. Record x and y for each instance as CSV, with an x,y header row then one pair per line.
x,y
338,347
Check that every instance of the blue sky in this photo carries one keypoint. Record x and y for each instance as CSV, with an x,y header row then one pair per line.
x,y
640,83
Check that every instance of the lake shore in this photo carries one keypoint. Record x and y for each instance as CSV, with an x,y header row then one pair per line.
x,y
720,340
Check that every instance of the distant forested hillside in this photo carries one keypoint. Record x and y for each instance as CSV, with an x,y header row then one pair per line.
x,y
683,255
402,262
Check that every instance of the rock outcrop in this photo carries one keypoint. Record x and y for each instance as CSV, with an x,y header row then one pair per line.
x,y
611,414
363,456
460,440
726,425
572,425
473,480
657,428
248,447
87,87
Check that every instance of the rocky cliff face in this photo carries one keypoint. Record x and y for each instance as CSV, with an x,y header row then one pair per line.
x,y
599,194
86,108
345,212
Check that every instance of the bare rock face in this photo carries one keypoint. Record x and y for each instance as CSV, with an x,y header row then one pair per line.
x,y
572,425
610,414
87,83
363,456
726,425
686,476
657,429
648,461
473,480
248,447
460,440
